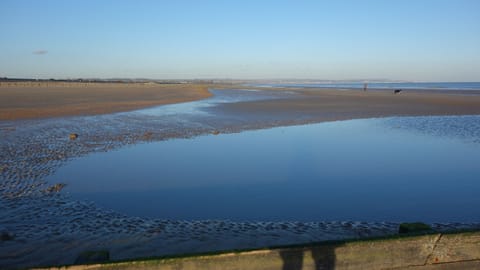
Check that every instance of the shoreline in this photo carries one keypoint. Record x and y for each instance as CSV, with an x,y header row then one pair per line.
x,y
38,100
75,226
315,106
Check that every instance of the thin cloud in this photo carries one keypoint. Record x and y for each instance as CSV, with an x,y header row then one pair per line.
x,y
40,52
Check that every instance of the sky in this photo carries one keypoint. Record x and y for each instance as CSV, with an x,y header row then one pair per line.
x,y
416,40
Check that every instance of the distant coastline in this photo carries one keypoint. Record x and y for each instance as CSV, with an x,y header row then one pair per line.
x,y
378,85
285,83
99,80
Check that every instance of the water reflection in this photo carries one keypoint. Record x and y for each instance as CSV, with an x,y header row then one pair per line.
x,y
350,170
218,96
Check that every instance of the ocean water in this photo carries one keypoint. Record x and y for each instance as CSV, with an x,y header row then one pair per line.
x,y
383,85
394,169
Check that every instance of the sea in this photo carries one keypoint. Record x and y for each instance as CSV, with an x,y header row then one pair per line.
x,y
378,85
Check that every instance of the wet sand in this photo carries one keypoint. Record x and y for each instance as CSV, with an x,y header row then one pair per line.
x,y
43,221
28,100
329,105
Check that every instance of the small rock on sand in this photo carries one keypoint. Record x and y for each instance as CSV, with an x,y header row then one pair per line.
x,y
415,227
55,188
73,136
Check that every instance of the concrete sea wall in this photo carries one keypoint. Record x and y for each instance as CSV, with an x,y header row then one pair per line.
x,y
432,251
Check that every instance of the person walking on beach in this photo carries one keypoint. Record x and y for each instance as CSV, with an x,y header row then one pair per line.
x,y
365,85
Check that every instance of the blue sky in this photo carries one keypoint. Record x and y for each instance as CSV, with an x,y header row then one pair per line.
x,y
422,40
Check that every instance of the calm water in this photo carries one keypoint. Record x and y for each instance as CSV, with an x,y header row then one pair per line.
x,y
393,169
385,85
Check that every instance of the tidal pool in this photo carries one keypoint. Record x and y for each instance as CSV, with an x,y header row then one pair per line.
x,y
395,169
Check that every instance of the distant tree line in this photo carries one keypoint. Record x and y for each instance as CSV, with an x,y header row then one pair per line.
x,y
6,79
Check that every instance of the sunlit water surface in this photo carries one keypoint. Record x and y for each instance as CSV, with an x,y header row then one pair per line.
x,y
397,169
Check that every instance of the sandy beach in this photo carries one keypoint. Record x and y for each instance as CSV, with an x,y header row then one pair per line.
x,y
163,129
31,151
332,105
27,100
57,99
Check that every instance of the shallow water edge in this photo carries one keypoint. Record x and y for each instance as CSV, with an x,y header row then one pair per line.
x,y
44,221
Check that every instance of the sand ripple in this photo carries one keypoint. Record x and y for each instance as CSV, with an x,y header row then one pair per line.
x,y
48,227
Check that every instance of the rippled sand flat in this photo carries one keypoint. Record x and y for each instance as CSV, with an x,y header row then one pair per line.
x,y
48,227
